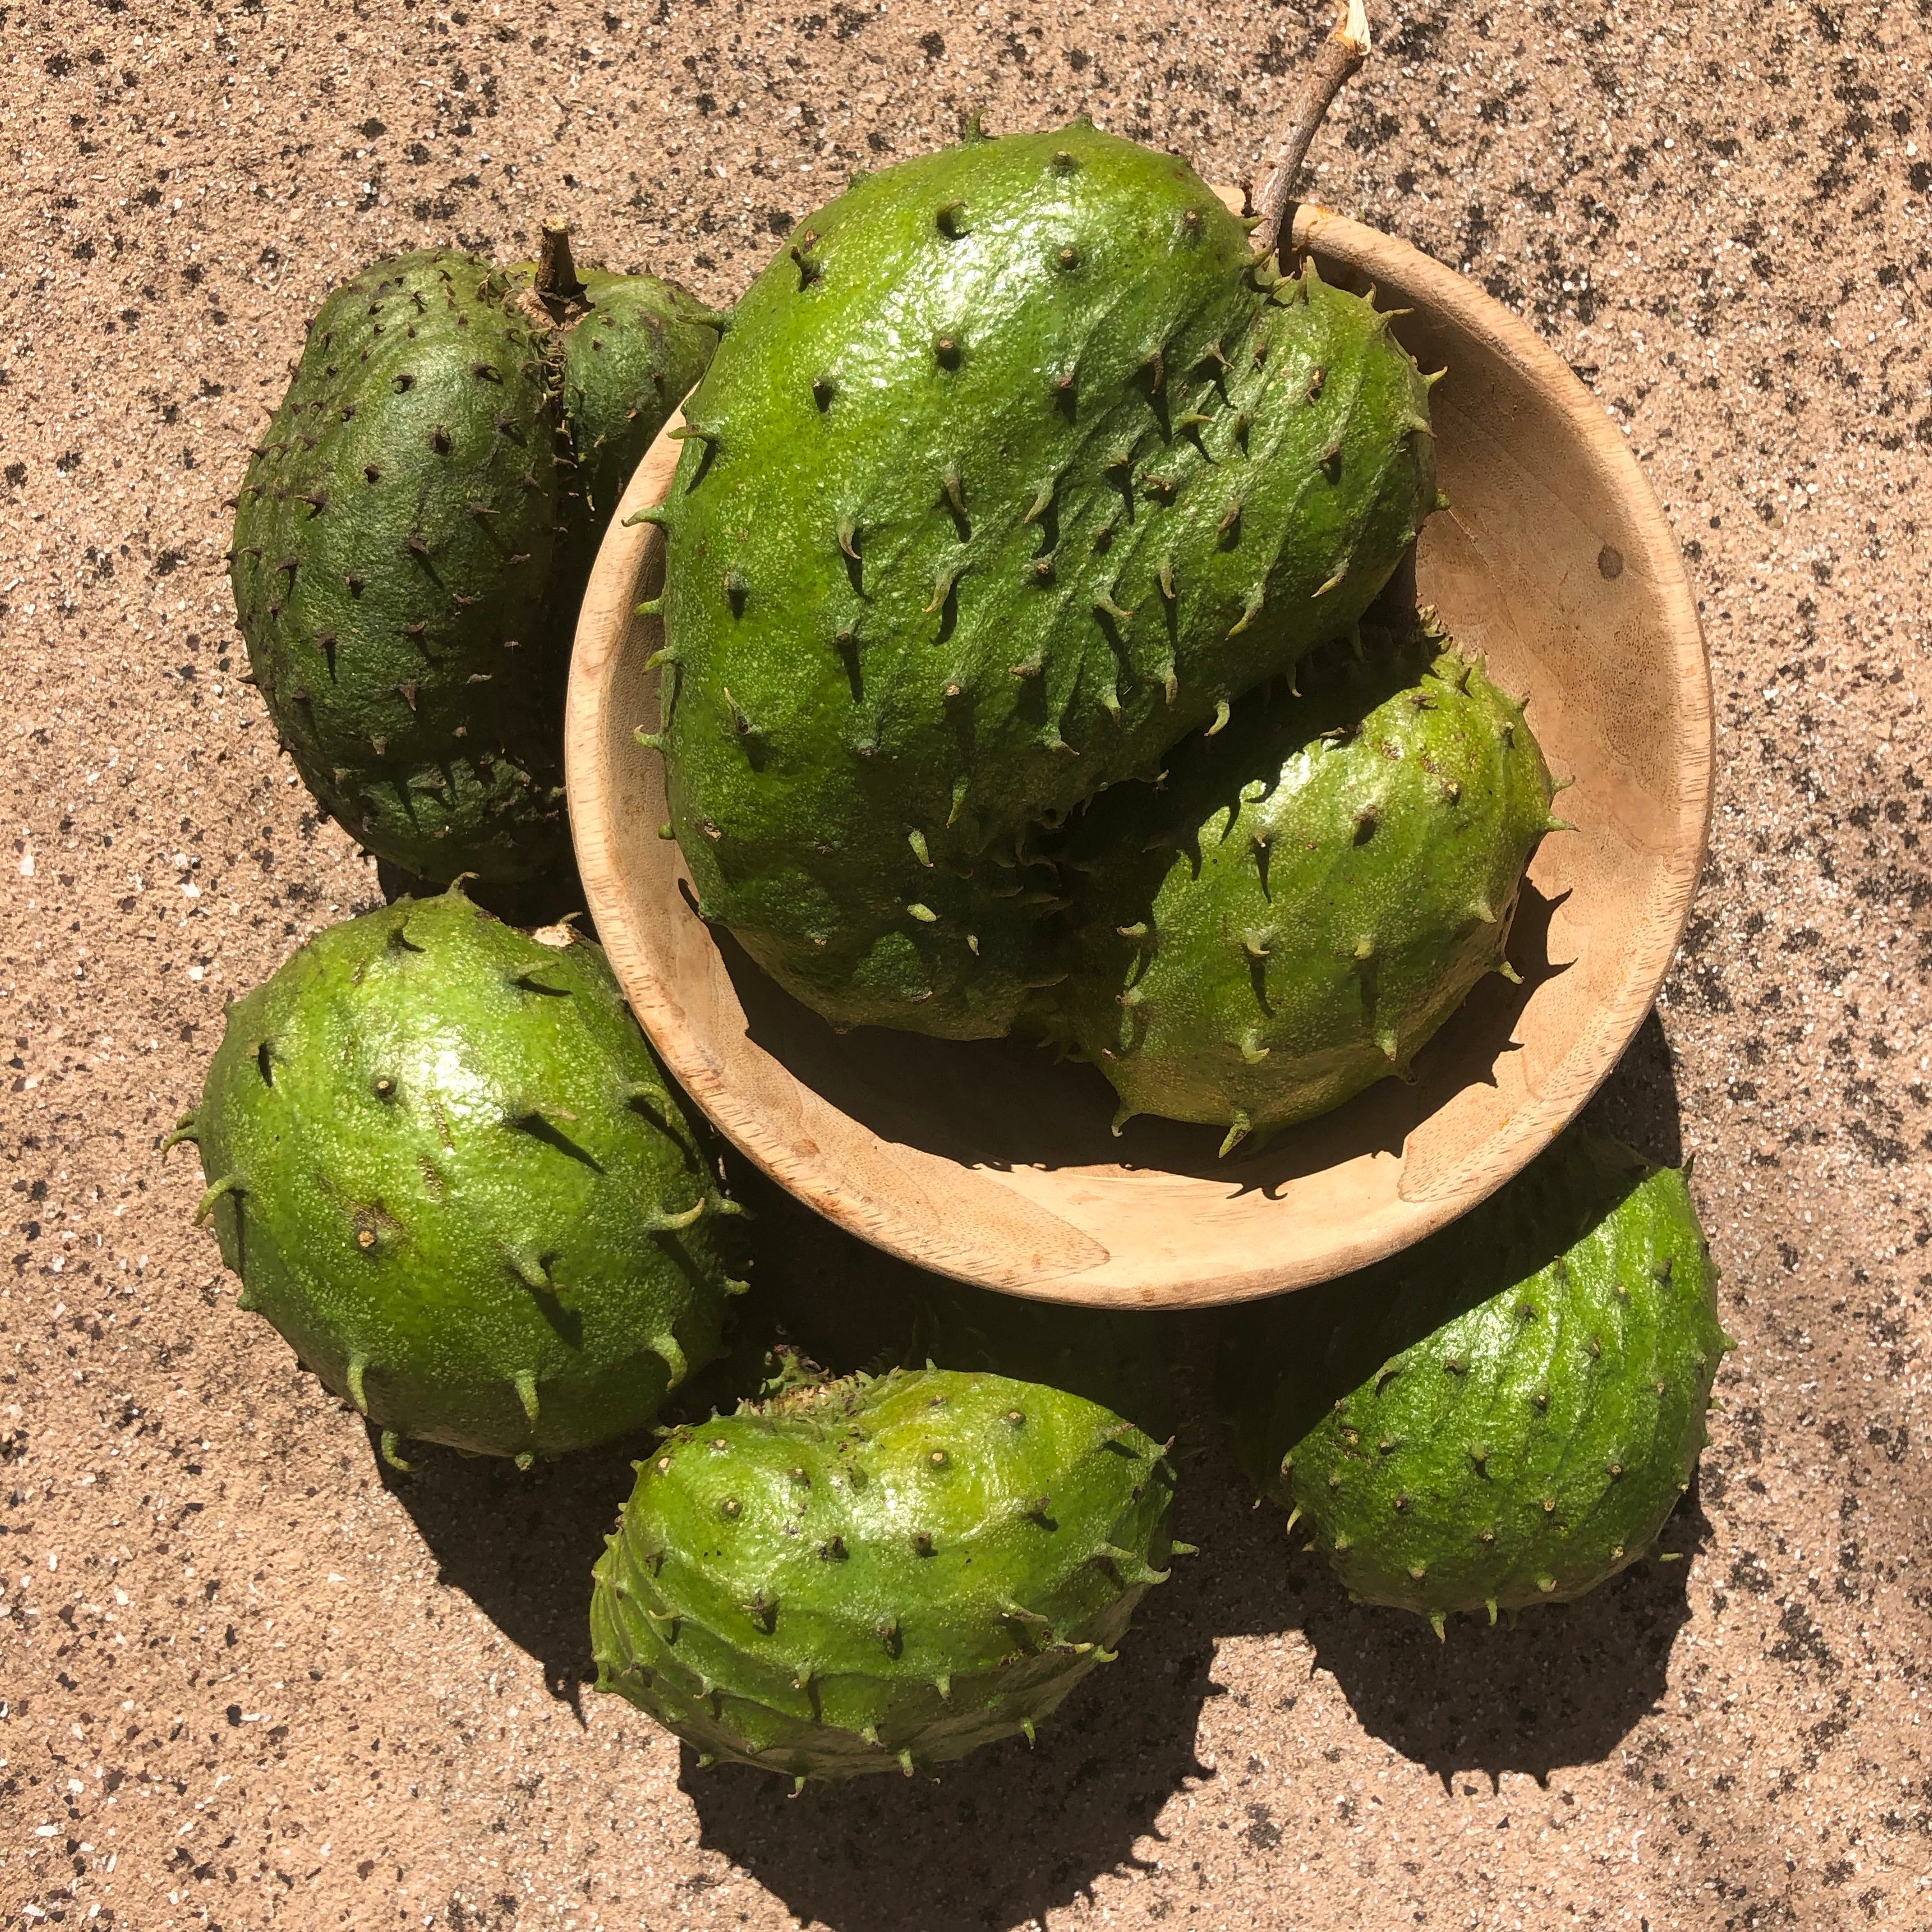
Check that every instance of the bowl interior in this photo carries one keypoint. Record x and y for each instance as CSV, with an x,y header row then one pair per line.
x,y
986,1161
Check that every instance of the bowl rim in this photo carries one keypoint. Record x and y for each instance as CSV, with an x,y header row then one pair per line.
x,y
797,1164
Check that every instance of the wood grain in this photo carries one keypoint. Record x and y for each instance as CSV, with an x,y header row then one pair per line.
x,y
982,1161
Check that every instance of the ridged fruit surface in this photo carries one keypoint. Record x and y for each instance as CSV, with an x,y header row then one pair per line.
x,y
1311,892
447,1167
874,1575
1506,1413
412,537
1013,468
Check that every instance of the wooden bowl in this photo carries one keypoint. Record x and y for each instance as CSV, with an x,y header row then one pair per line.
x,y
985,1162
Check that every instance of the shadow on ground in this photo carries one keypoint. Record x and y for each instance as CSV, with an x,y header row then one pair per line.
x,y
1010,1834
1638,1102
521,1545
1565,1686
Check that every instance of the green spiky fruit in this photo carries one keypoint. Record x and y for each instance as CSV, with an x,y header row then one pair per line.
x,y
632,346
1015,467
851,1307
406,561
877,1574
448,1169
1506,1413
1309,895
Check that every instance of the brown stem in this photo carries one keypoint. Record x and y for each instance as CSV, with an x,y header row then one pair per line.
x,y
1335,60
556,282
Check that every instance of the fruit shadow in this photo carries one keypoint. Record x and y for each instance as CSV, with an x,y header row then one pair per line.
x,y
1014,1831
519,1544
1011,1833
1008,1105
556,895
1562,1684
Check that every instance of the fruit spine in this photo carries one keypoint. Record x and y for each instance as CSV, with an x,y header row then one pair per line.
x,y
874,1575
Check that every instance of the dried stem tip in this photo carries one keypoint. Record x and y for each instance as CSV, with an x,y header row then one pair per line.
x,y
1335,60
557,284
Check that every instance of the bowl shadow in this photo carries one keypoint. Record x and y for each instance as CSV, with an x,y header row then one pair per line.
x,y
1009,1104
1638,1103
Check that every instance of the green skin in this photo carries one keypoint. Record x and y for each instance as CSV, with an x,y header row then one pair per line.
x,y
626,366
398,573
1506,1413
1310,894
876,1575
1013,468
449,1171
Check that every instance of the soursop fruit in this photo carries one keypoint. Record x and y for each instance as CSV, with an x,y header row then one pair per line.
x,y
1308,895
412,534
447,1167
877,1574
1016,467
1506,1413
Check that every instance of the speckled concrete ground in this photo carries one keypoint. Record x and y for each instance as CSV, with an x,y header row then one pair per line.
x,y
244,1681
